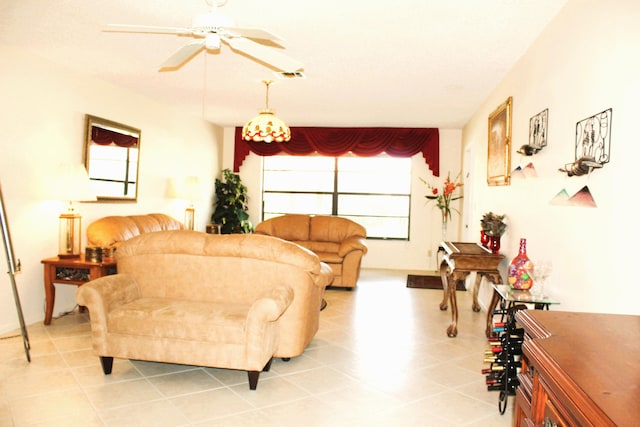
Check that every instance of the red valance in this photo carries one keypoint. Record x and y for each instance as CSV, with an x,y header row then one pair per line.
x,y
103,136
366,142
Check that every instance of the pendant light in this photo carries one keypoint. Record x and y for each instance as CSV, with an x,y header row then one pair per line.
x,y
266,126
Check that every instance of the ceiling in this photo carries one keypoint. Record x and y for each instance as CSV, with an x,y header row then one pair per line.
x,y
416,63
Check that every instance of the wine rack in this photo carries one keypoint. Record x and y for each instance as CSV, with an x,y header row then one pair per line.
x,y
503,355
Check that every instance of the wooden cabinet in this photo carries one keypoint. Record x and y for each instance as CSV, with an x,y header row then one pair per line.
x,y
579,369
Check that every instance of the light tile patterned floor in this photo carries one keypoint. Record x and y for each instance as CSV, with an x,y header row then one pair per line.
x,y
381,358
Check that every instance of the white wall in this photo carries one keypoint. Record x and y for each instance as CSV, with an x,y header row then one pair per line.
x,y
586,61
42,125
419,253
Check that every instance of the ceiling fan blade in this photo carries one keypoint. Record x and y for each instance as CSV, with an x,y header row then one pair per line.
x,y
124,28
183,54
263,54
253,33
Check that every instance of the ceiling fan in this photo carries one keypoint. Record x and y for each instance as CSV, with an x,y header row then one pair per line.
x,y
209,30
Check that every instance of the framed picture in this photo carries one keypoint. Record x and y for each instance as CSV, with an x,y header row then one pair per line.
x,y
538,126
499,151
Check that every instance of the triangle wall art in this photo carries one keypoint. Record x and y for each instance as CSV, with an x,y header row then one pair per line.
x,y
582,198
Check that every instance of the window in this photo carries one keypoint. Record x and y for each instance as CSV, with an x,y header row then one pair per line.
x,y
372,191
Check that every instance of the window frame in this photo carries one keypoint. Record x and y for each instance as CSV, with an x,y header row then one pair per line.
x,y
335,195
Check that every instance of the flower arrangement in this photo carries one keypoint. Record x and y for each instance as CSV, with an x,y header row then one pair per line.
x,y
444,199
493,225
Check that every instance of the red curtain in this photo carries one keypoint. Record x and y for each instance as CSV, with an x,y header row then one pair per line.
x,y
103,136
366,142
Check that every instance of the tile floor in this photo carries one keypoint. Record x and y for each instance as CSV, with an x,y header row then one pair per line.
x,y
380,358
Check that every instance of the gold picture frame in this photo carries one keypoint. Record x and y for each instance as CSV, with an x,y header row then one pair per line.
x,y
499,145
111,156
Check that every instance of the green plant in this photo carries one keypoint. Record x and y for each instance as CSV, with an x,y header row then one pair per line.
x,y
231,204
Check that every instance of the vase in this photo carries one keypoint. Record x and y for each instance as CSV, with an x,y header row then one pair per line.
x,y
484,239
521,269
445,223
494,244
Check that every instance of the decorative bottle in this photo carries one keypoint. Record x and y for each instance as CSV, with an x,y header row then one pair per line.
x,y
521,269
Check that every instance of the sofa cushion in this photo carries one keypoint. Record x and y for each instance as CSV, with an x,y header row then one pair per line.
x,y
333,229
317,247
291,227
113,230
180,319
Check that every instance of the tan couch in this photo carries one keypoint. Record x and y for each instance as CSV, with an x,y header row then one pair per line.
x,y
337,241
111,231
225,301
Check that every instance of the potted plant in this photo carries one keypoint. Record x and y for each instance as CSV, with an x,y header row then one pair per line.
x,y
231,210
493,227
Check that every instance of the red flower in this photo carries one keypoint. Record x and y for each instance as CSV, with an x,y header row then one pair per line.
x,y
443,201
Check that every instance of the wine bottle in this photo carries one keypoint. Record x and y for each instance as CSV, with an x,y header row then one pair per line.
x,y
502,359
515,348
494,375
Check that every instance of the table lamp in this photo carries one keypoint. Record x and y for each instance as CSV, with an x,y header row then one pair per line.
x,y
72,184
187,188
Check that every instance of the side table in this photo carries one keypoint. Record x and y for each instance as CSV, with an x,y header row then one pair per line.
x,y
459,261
71,271
508,297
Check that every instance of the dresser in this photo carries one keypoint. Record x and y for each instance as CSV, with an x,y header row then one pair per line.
x,y
579,369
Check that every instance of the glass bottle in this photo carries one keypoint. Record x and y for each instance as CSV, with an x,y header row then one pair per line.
x,y
521,269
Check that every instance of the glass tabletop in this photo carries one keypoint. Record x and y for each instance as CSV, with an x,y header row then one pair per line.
x,y
514,295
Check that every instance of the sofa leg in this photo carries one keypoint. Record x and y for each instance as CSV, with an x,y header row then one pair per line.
x,y
107,364
286,359
253,379
254,375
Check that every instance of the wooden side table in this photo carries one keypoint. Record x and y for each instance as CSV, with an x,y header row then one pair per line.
x,y
459,260
71,271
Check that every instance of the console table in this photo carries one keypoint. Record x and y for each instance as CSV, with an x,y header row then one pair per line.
x,y
71,271
578,369
459,260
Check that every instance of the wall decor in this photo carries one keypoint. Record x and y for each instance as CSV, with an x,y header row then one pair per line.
x,y
593,144
499,146
528,171
111,153
538,128
582,198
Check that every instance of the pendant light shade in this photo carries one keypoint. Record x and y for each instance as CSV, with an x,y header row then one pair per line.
x,y
266,126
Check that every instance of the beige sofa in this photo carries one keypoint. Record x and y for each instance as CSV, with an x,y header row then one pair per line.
x,y
111,231
337,241
224,301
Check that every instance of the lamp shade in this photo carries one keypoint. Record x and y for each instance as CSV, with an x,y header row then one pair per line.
x,y
71,184
187,188
266,127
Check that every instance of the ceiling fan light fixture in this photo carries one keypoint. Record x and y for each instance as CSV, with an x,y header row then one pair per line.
x,y
212,41
266,126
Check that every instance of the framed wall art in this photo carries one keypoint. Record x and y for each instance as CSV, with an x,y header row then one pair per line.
x,y
499,151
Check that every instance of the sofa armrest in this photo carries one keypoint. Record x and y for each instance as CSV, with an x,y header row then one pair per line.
x,y
325,277
272,305
101,296
354,243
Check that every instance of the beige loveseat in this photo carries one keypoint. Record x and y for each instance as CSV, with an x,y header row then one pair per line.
x,y
111,231
337,241
224,301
